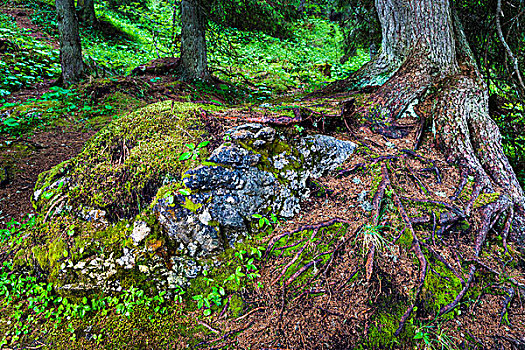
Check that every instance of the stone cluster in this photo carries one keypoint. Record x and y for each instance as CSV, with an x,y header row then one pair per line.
x,y
254,172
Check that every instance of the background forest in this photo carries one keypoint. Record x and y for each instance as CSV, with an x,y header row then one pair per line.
x,y
259,53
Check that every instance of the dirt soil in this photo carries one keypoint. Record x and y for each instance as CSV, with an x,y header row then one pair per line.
x,y
27,160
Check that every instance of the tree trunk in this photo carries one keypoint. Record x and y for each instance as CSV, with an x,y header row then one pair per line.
x,y
193,42
425,62
70,48
86,12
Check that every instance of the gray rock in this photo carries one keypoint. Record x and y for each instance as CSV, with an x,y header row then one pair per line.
x,y
246,177
234,156
237,187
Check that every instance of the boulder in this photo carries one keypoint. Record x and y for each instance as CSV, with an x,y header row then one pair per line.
x,y
135,214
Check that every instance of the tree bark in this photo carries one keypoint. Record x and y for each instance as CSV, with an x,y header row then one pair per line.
x,y
194,61
425,62
86,12
70,48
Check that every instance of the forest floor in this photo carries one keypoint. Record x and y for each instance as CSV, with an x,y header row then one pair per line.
x,y
24,158
338,305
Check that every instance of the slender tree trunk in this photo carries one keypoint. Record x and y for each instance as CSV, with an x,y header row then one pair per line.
x,y
425,62
86,12
70,48
193,42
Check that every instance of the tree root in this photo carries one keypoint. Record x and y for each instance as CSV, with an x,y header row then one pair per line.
x,y
506,302
415,246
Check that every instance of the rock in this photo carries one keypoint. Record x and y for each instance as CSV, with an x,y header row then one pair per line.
x,y
234,156
140,231
246,180
256,171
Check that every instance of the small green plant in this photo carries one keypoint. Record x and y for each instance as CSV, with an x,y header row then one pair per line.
x,y
194,151
170,195
32,300
14,229
264,221
299,128
433,337
214,297
372,237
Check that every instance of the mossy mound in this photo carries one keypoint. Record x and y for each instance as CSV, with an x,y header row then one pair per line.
x,y
121,168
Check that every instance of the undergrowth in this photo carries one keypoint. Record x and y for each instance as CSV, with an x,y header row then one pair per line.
x,y
24,61
27,299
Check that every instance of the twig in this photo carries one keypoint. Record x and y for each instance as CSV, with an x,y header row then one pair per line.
x,y
301,271
249,313
507,48
208,326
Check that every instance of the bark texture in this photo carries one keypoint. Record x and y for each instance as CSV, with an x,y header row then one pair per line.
x,y
430,67
194,60
86,12
70,48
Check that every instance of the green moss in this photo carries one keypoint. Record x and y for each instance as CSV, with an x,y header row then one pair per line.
x,y
381,333
375,172
48,256
486,198
386,320
467,190
124,164
440,290
236,306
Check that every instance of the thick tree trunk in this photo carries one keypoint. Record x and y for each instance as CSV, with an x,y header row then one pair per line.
x,y
70,48
194,62
86,12
425,54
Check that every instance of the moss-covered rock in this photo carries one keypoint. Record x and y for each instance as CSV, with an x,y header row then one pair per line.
x,y
127,211
122,166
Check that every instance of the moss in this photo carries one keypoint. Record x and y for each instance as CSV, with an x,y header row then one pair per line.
x,y
467,190
236,306
375,171
111,107
386,320
275,148
143,329
485,198
48,256
440,290
124,164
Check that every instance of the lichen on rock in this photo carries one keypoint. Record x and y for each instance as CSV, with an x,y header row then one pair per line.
x,y
253,173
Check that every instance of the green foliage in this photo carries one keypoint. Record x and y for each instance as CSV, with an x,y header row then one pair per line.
x,y
31,300
264,222
25,61
512,126
194,151
22,117
14,230
254,15
275,66
240,271
433,336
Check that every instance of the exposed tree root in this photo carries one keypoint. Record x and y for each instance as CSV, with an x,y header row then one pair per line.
x,y
437,230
